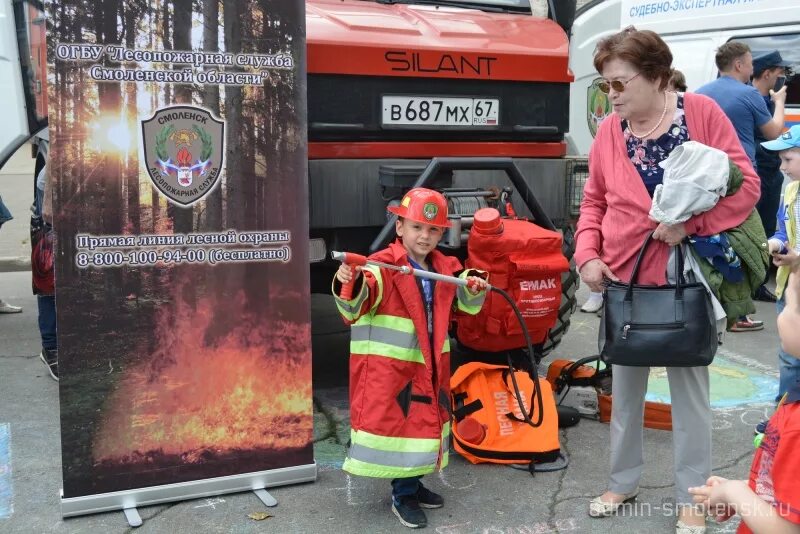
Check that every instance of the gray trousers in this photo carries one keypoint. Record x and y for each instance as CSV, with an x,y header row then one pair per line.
x,y
691,428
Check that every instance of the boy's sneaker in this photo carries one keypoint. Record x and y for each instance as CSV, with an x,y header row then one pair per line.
x,y
5,307
429,499
50,359
409,513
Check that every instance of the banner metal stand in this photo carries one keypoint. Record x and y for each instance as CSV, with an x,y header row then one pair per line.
x,y
265,497
128,501
133,517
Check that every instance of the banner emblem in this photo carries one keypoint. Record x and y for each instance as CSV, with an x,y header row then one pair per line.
x,y
184,151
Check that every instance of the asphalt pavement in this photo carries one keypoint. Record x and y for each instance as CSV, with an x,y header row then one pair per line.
x,y
480,499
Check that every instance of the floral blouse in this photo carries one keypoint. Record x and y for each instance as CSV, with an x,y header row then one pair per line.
x,y
646,155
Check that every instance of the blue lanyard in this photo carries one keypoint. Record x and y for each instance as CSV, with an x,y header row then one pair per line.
x,y
427,295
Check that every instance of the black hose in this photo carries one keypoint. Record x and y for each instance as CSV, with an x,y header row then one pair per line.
x,y
526,417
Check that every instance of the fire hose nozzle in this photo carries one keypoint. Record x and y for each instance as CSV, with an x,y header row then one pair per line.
x,y
349,258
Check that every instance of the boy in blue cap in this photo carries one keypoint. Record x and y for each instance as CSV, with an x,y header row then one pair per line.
x,y
784,244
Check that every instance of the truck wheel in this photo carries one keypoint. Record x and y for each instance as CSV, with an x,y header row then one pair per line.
x,y
570,281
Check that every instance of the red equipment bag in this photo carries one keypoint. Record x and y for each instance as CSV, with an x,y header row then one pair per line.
x,y
524,260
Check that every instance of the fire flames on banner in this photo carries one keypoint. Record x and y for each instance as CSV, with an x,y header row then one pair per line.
x,y
180,200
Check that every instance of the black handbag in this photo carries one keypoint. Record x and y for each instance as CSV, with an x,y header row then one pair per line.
x,y
657,326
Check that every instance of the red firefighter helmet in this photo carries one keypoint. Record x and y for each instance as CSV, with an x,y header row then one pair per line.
x,y
423,206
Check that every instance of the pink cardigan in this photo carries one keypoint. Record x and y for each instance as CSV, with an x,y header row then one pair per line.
x,y
614,219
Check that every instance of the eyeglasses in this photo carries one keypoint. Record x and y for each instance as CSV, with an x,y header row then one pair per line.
x,y
616,85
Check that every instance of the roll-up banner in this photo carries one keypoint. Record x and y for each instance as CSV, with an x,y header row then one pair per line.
x,y
178,161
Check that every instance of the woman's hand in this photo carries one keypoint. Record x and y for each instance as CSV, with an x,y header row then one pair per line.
x,y
671,234
594,272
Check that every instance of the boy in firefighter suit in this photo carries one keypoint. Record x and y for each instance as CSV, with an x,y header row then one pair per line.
x,y
400,356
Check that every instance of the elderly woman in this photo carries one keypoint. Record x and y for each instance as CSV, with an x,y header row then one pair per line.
x,y
647,123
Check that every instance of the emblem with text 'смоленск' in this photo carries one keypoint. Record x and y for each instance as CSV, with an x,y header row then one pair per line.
x,y
184,151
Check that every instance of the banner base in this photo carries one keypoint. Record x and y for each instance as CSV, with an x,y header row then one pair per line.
x,y
131,499
265,497
132,517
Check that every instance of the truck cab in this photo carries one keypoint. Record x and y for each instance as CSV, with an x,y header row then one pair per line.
x,y
23,74
392,85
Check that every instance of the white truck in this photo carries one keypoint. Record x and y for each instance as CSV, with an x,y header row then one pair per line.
x,y
693,29
23,77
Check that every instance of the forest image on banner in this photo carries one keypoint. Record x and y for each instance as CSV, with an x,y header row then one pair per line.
x,y
178,157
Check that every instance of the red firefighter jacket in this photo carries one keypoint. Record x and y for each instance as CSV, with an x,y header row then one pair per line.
x,y
399,384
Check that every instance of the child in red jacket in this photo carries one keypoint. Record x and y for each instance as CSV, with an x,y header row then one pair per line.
x,y
400,357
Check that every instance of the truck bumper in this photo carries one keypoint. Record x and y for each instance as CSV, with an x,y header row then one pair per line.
x,y
346,193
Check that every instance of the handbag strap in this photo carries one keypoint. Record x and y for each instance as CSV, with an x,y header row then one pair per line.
x,y
680,281
679,278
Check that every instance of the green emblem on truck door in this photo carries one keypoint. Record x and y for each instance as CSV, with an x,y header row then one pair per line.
x,y
598,106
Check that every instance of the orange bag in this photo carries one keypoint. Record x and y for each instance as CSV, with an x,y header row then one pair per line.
x,y
491,426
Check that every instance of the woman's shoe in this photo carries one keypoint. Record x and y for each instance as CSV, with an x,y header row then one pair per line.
x,y
599,508
683,528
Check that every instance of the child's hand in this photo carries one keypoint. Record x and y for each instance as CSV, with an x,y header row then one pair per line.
x,y
714,497
775,246
476,284
703,493
345,273
791,259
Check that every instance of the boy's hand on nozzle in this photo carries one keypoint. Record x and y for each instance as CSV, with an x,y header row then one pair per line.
x,y
476,284
348,273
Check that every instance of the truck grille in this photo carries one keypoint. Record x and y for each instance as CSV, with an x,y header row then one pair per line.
x,y
349,108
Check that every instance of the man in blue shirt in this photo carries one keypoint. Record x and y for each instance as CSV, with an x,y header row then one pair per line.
x,y
746,109
742,103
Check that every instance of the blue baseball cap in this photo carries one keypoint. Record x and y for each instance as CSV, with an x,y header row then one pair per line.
x,y
768,61
788,139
